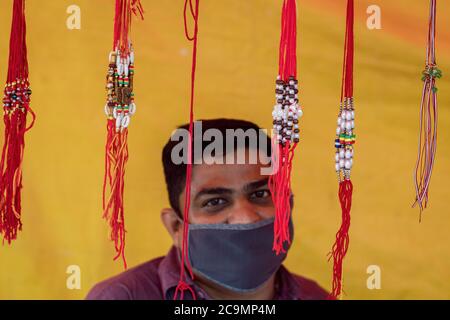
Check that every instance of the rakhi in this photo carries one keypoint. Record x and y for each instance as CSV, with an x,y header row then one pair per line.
x,y
428,118
119,108
16,105
286,132
345,139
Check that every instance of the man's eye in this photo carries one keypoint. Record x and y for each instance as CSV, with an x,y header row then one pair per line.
x,y
261,194
214,202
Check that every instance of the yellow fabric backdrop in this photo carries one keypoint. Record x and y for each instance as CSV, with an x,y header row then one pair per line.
x,y
63,164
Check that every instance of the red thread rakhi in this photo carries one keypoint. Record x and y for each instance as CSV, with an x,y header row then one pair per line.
x,y
119,108
428,118
286,114
182,284
16,105
345,139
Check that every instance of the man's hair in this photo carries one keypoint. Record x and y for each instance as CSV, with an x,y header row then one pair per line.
x,y
175,174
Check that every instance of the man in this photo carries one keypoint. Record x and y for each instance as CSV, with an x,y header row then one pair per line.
x,y
230,224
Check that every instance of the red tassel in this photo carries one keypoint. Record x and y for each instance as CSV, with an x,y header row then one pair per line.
x,y
182,284
428,119
113,209
119,108
340,247
286,136
280,186
16,104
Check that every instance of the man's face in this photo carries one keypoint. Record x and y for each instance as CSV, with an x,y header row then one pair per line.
x,y
229,193
224,193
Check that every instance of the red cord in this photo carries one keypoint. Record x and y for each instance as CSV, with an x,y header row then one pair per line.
x,y
182,285
287,65
122,23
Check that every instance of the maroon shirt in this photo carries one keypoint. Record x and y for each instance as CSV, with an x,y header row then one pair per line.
x,y
158,278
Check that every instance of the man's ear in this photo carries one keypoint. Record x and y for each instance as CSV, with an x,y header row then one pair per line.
x,y
172,222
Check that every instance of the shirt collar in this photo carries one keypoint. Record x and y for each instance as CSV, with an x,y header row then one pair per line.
x,y
169,273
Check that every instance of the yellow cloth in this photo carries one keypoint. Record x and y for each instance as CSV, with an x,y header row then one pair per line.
x,y
237,65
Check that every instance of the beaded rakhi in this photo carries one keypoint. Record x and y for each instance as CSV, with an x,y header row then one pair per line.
x,y
119,108
16,106
344,142
286,132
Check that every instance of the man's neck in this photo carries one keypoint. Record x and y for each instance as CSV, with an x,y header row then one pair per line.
x,y
265,292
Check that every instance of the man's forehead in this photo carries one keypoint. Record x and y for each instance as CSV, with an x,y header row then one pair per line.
x,y
233,176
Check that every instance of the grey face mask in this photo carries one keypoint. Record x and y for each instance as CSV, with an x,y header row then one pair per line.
x,y
238,257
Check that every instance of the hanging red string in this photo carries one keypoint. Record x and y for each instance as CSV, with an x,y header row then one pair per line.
x,y
428,118
119,108
182,284
16,105
286,114
345,139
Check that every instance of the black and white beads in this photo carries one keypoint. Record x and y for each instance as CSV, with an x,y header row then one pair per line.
x,y
287,111
345,139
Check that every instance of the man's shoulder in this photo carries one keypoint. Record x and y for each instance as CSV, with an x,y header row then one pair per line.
x,y
140,282
309,289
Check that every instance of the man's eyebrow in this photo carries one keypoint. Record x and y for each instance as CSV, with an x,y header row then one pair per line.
x,y
256,184
213,191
